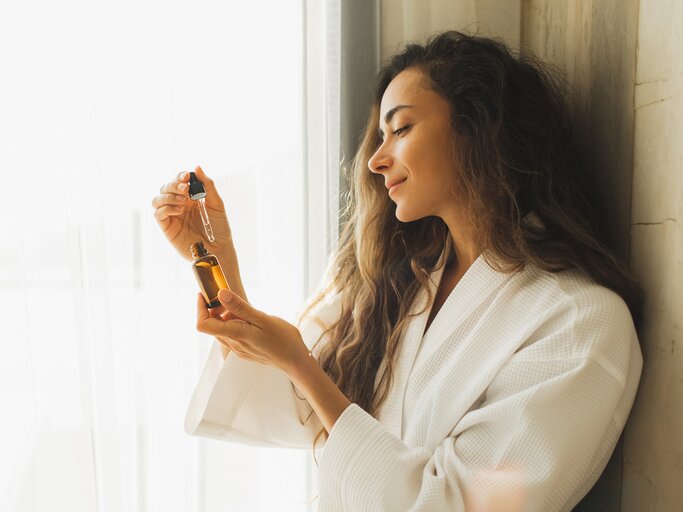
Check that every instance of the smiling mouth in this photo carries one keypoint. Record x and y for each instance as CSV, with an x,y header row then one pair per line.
x,y
396,184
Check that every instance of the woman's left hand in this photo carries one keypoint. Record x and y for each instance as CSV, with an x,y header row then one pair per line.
x,y
252,334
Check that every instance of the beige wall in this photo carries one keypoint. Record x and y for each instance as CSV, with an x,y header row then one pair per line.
x,y
415,20
592,42
624,59
653,465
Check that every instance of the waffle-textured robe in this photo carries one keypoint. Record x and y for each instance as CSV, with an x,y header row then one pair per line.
x,y
513,399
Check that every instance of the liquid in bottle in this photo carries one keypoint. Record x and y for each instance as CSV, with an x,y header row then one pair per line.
x,y
207,270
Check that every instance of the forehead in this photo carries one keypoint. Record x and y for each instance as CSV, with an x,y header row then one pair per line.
x,y
409,87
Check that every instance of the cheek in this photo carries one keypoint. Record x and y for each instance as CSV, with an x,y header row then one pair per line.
x,y
413,158
404,152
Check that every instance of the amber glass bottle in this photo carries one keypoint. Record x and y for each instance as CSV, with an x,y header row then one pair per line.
x,y
209,274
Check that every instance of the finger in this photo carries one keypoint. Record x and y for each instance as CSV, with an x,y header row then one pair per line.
x,y
201,176
244,350
217,312
212,195
202,309
166,199
205,322
239,307
174,187
220,312
164,212
235,329
214,313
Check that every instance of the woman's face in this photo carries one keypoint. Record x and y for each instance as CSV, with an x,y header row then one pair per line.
x,y
414,155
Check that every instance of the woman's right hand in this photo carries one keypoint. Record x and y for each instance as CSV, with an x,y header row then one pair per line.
x,y
179,219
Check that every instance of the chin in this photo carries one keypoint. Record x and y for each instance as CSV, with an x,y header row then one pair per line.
x,y
405,215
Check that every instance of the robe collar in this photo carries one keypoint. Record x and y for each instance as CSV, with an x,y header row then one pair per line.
x,y
476,285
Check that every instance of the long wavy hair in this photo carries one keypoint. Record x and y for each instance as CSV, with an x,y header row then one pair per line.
x,y
515,156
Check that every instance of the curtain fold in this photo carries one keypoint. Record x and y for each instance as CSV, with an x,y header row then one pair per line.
x,y
360,61
341,80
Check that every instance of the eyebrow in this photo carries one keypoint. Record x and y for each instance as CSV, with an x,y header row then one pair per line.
x,y
390,114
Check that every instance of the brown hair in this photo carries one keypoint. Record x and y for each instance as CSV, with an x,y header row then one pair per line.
x,y
515,156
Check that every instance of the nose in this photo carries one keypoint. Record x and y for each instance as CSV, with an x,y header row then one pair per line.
x,y
380,161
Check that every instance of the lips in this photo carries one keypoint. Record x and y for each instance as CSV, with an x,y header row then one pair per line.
x,y
393,183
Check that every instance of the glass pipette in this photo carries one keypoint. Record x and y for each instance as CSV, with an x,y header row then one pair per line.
x,y
205,219
198,193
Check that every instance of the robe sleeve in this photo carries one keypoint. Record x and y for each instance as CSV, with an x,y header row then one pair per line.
x,y
538,440
250,403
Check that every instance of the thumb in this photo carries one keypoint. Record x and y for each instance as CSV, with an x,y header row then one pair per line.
x,y
213,198
238,306
207,182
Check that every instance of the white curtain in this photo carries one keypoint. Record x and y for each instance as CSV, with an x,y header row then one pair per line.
x,y
100,104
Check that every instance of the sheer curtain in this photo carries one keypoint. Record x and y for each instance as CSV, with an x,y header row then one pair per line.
x,y
100,104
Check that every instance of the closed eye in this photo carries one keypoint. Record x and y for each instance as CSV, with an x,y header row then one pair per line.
x,y
396,132
401,130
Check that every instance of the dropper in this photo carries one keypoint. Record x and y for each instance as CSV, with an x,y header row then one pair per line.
x,y
198,193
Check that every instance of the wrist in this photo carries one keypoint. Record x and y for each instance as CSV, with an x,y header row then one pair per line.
x,y
226,251
322,394
301,367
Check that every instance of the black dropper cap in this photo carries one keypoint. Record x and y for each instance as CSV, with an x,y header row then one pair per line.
x,y
197,190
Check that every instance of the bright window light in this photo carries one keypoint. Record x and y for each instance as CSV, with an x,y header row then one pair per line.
x,y
101,103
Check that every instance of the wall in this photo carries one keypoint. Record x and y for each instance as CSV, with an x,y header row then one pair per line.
x,y
592,42
415,20
653,451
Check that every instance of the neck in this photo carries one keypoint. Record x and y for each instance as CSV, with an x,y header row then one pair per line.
x,y
463,251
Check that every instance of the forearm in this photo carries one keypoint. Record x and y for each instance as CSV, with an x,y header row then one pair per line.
x,y
230,266
322,394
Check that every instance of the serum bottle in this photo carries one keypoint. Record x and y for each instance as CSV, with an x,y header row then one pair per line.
x,y
209,274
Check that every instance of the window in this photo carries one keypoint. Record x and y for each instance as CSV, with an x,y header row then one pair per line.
x,y
106,102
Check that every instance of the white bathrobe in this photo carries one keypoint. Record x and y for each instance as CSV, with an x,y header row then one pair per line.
x,y
513,399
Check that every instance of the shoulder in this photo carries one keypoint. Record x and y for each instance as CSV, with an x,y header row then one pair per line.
x,y
582,320
574,296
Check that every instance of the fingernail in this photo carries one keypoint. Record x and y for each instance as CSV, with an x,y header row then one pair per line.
x,y
180,198
182,175
182,186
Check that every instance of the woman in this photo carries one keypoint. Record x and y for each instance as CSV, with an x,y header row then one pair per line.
x,y
472,342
